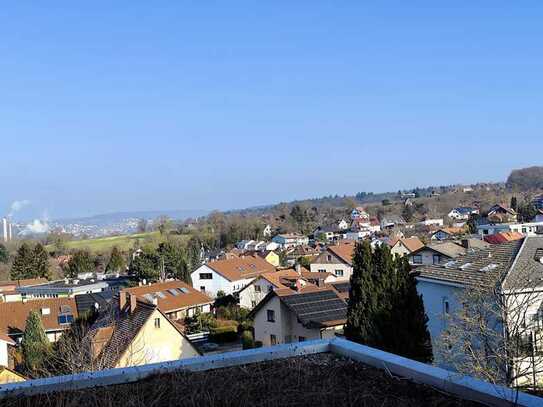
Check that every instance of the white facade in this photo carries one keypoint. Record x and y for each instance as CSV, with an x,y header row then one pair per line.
x,y
527,229
432,222
341,271
207,280
255,292
288,241
425,257
4,360
267,232
285,327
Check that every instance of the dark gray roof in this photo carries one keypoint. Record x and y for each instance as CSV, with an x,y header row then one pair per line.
x,y
125,325
316,309
477,266
86,302
527,271
342,287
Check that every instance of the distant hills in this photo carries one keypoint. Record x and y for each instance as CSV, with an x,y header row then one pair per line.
x,y
117,217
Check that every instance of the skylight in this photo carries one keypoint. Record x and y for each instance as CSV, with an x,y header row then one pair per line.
x,y
183,290
160,294
173,292
464,266
450,264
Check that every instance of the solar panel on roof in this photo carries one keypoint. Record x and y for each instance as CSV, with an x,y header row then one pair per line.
x,y
183,290
160,294
173,292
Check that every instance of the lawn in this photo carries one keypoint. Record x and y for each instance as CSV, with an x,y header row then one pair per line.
x,y
105,244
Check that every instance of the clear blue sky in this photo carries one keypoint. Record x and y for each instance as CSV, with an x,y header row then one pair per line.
x,y
133,105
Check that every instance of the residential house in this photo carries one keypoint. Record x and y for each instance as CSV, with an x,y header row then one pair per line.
x,y
285,317
269,255
503,237
359,213
228,276
527,229
342,224
447,233
436,253
286,241
135,332
501,214
538,202
74,287
336,259
5,343
405,246
392,221
267,231
10,376
462,212
176,299
518,268
286,279
56,315
8,289
330,233
431,222
244,244
539,217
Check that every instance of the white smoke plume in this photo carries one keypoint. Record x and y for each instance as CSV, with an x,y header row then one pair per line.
x,y
17,206
37,227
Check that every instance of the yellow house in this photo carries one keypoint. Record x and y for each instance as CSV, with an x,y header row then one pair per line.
x,y
138,334
10,376
271,257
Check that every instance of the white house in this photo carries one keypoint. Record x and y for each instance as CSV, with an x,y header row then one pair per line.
x,y
462,212
343,224
436,253
5,343
286,241
256,290
286,316
359,213
244,244
517,265
228,276
527,229
336,260
431,222
267,231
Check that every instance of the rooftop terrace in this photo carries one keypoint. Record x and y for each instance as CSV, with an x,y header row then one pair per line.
x,y
315,373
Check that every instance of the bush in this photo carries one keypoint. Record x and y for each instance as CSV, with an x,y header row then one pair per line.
x,y
247,340
223,334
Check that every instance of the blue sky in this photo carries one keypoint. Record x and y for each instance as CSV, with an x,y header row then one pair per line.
x,y
132,105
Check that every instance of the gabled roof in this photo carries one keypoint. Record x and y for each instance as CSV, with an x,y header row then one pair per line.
x,y
503,237
22,283
476,266
241,268
503,208
171,295
464,210
411,243
451,230
344,251
449,249
527,271
318,308
13,314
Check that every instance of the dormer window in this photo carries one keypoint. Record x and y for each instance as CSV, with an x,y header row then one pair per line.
x,y
45,311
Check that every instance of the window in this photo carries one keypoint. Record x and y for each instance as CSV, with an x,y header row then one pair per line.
x,y
523,230
257,289
417,259
253,304
322,271
270,288
206,276
329,257
338,273
273,340
301,338
485,231
446,306
202,288
64,319
436,258
157,322
271,315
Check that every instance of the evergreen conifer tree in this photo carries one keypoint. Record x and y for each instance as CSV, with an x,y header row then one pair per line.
x,y
23,264
116,262
35,346
41,262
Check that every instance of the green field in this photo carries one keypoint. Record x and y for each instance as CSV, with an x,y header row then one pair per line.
x,y
105,244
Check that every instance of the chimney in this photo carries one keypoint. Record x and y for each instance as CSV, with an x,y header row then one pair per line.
x,y
133,302
298,285
465,244
122,300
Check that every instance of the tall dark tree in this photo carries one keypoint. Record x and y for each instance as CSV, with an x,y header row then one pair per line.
x,y
362,297
174,261
80,263
116,262
472,222
41,262
146,265
385,310
35,346
514,203
23,264
4,254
